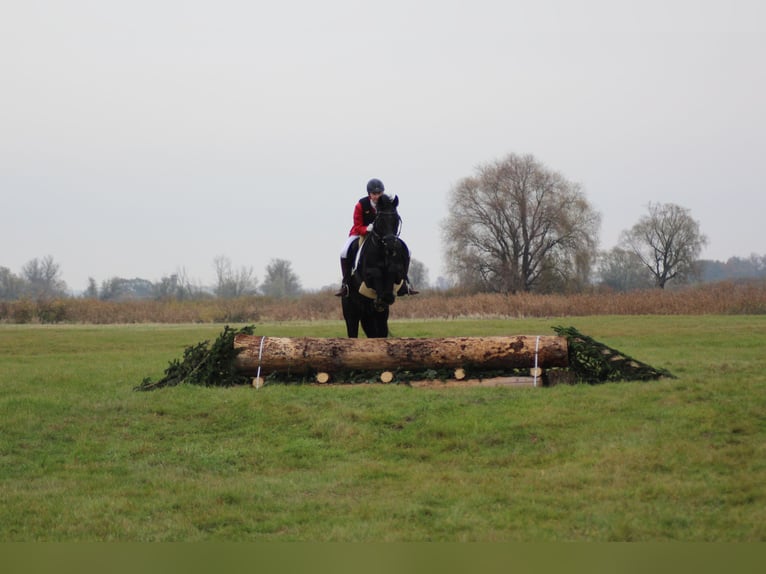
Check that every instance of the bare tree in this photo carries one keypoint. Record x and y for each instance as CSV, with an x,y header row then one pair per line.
x,y
418,274
667,241
178,286
43,278
280,281
233,284
518,226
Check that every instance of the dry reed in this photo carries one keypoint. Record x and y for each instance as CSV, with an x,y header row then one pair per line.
x,y
724,298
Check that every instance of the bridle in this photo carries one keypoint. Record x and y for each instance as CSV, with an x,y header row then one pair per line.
x,y
387,243
381,217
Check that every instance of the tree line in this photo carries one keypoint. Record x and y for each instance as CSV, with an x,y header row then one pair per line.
x,y
514,226
518,226
40,278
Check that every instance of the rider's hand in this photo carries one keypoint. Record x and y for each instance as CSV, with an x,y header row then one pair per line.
x,y
369,227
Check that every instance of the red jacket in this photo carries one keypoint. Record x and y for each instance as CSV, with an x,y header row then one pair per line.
x,y
364,214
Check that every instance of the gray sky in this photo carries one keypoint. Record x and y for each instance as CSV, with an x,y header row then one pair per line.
x,y
141,137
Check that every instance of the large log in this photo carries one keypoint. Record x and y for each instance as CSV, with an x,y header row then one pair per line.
x,y
306,354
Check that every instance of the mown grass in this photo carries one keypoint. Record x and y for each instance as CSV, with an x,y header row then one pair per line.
x,y
85,458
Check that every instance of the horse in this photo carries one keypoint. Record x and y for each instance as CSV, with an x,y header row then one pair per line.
x,y
382,264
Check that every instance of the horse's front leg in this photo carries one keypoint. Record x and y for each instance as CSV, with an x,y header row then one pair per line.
x,y
384,292
351,316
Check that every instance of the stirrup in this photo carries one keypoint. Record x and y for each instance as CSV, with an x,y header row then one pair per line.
x,y
343,291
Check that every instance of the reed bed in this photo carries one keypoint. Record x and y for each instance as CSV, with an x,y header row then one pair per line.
x,y
724,298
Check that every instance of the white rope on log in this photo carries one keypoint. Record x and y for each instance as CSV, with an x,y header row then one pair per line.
x,y
258,373
537,346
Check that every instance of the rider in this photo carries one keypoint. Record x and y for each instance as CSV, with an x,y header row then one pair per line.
x,y
364,215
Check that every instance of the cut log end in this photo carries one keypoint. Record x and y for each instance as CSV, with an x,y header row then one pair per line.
x,y
322,378
386,376
459,374
257,382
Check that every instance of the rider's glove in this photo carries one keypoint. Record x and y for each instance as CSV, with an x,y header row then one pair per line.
x,y
369,228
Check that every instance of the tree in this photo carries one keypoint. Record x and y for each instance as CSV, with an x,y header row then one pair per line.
x,y
733,268
418,274
667,241
280,281
518,226
122,289
92,291
623,271
43,278
177,286
233,284
11,286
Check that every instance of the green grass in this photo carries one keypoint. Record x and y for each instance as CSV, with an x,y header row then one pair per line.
x,y
85,458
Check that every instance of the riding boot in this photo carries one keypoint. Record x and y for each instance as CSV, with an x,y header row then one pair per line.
x,y
407,288
345,269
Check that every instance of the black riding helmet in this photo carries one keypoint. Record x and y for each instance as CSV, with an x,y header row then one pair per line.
x,y
375,186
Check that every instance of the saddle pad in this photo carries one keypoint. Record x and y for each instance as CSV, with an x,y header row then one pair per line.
x,y
370,293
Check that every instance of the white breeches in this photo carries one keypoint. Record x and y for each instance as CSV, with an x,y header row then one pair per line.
x,y
349,241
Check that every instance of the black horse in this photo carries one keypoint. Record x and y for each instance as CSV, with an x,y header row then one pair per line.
x,y
382,264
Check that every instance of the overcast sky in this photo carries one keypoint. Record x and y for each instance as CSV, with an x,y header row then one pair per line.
x,y
143,137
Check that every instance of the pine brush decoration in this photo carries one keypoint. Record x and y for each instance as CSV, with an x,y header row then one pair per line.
x,y
204,364
594,362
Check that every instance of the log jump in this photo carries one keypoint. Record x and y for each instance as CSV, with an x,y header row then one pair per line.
x,y
301,355
568,358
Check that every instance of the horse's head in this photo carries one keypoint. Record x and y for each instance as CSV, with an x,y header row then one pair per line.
x,y
387,220
391,253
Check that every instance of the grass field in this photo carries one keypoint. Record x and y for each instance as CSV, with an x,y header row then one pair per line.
x,y
83,457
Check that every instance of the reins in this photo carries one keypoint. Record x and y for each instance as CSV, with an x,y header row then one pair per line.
x,y
383,215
